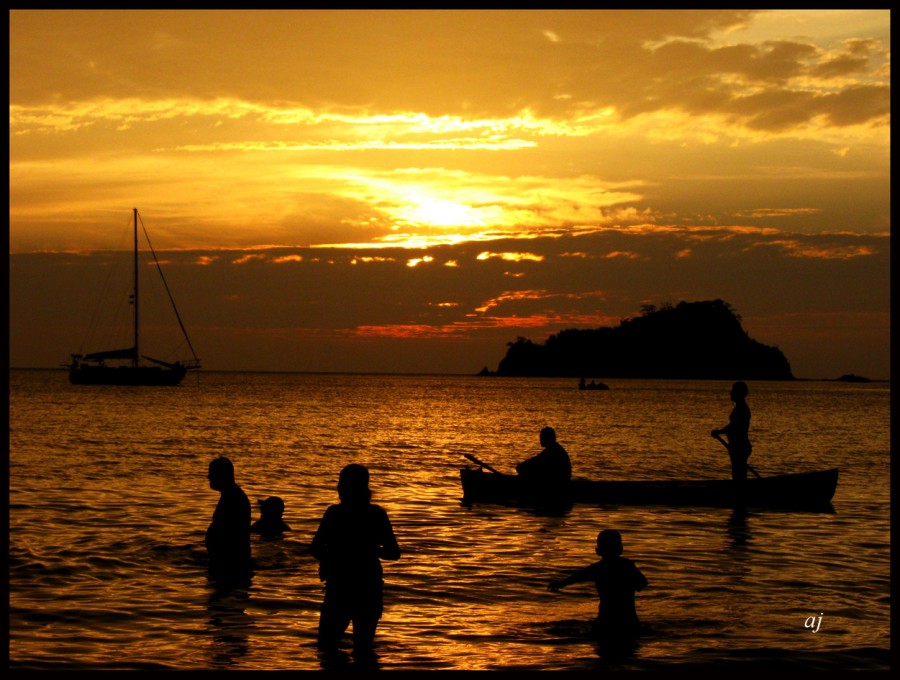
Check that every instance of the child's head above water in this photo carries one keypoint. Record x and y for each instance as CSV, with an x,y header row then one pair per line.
x,y
609,543
272,507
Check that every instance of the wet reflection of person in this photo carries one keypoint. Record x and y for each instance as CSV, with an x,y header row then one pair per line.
x,y
228,536
617,579
352,539
231,627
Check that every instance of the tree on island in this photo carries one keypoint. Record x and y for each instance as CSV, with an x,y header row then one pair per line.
x,y
691,340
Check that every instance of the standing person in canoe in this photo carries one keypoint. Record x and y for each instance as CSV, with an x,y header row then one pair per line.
x,y
352,538
549,472
737,431
617,579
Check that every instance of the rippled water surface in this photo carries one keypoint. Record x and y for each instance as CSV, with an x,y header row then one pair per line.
x,y
109,503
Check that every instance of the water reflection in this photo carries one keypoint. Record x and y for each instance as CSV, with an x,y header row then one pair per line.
x,y
614,650
738,532
339,660
230,625
553,509
610,649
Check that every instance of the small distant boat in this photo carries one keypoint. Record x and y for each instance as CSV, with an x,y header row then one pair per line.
x,y
582,385
799,491
92,369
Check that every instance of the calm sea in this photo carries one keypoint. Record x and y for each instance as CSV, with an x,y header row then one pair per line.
x,y
108,504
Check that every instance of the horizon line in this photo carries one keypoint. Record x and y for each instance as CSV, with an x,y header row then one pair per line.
x,y
478,374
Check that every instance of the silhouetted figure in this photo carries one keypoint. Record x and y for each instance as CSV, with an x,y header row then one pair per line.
x,y
593,385
617,579
352,539
737,431
270,523
228,536
549,472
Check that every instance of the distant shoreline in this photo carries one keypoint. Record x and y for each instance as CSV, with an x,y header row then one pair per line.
x,y
479,375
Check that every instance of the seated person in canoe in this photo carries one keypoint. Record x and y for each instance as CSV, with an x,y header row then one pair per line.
x,y
548,471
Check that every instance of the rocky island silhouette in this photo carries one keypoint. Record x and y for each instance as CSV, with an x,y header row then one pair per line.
x,y
691,341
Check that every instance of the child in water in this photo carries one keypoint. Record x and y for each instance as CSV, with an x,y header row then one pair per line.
x,y
617,579
270,523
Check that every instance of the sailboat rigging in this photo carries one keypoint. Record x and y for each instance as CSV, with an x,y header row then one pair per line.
x,y
92,369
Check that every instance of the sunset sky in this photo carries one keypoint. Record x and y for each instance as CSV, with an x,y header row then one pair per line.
x,y
408,191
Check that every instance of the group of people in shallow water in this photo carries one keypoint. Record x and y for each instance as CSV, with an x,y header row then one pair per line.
x,y
353,537
355,534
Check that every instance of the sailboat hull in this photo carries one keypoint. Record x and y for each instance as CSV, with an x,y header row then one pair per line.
x,y
86,374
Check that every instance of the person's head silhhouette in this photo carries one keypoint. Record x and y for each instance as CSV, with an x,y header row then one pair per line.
x,y
221,473
546,476
270,522
547,436
271,507
353,484
609,543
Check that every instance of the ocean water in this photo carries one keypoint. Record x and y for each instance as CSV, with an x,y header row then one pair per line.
x,y
108,504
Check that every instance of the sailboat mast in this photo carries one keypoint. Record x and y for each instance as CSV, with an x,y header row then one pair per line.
x,y
137,353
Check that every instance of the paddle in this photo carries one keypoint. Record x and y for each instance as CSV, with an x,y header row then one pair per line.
x,y
749,467
478,462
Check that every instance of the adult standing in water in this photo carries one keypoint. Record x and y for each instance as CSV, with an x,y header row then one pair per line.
x,y
352,539
737,431
228,536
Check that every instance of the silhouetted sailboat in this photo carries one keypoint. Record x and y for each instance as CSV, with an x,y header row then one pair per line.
x,y
91,369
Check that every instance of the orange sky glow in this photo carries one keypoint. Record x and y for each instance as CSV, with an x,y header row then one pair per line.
x,y
409,190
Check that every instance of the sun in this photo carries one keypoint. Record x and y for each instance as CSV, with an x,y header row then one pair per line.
x,y
435,212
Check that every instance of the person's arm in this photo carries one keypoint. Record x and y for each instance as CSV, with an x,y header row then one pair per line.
x,y
577,577
533,465
640,581
318,546
738,422
728,428
389,549
723,430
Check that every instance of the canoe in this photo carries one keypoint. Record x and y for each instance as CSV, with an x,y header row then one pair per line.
x,y
592,385
797,491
